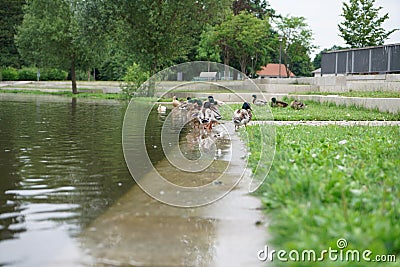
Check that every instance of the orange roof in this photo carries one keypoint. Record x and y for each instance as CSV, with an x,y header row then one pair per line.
x,y
272,70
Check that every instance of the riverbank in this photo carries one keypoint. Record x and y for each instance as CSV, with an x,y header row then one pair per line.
x,y
106,87
326,182
383,101
331,183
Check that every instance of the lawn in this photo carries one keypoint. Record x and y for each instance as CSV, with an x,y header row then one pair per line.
x,y
67,94
333,182
314,111
373,94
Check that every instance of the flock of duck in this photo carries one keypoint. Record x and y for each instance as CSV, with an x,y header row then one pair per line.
x,y
206,113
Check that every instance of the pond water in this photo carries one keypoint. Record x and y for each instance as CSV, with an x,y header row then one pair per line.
x,y
61,166
68,199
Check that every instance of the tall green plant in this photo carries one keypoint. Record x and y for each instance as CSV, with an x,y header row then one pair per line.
x,y
11,15
296,38
59,34
134,80
362,25
242,39
159,33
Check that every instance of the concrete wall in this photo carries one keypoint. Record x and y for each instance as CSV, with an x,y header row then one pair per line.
x,y
333,84
382,104
327,83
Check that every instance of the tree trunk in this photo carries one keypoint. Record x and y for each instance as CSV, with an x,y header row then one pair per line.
x,y
226,63
73,77
152,83
243,66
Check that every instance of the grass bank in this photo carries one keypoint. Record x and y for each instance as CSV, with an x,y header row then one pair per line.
x,y
314,111
67,94
333,182
372,94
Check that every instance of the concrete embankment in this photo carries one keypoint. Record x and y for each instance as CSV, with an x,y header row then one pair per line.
x,y
382,104
239,91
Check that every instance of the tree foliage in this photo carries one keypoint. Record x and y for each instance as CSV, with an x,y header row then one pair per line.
x,y
59,33
11,15
134,81
110,36
259,8
242,39
296,38
362,25
160,32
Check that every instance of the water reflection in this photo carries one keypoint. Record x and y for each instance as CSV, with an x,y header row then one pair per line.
x,y
67,198
61,166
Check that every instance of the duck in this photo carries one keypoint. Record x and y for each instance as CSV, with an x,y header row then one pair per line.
x,y
214,101
161,109
208,116
258,102
247,107
297,104
175,102
213,105
277,103
195,116
242,116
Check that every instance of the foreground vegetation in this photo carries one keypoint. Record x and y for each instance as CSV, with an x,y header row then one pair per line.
x,y
333,182
314,111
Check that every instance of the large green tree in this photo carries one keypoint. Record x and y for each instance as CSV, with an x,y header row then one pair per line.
x,y
160,33
11,15
296,44
260,8
362,25
242,39
62,34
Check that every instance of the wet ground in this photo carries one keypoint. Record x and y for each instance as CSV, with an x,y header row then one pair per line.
x,y
67,198
140,231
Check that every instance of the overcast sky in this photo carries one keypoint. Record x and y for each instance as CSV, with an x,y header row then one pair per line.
x,y
323,16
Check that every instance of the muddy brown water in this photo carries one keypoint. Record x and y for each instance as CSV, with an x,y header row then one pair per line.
x,y
68,199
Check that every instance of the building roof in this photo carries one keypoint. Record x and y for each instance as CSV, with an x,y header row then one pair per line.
x,y
272,70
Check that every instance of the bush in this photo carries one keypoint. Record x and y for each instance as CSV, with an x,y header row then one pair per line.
x,y
27,74
53,75
134,78
9,74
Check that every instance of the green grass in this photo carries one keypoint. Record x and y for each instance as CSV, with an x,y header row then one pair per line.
x,y
333,182
373,94
314,111
68,94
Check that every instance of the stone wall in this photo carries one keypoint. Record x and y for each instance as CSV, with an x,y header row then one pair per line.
x,y
332,84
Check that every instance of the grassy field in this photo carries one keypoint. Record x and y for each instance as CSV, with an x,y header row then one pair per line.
x,y
314,111
67,94
333,182
373,94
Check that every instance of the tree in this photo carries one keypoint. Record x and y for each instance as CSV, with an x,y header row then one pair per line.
x,y
11,15
60,33
300,59
161,32
242,38
296,40
363,25
259,8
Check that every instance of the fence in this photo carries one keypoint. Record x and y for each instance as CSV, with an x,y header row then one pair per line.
x,y
368,60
